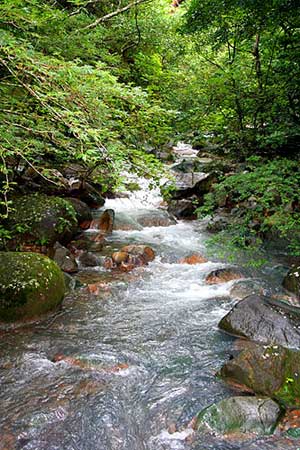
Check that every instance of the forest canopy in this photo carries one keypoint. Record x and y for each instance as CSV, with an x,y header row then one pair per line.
x,y
108,84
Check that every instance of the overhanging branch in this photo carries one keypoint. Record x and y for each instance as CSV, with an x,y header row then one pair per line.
x,y
115,13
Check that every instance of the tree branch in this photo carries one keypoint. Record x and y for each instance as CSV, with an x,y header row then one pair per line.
x,y
115,13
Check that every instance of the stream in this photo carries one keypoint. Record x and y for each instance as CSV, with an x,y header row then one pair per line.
x,y
146,348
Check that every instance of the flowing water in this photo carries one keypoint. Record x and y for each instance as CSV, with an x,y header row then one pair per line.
x,y
138,358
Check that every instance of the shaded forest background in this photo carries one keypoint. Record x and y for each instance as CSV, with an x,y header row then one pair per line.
x,y
109,84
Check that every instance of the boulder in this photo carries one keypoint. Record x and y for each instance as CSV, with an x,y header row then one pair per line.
x,y
154,218
105,222
237,415
184,209
194,183
84,191
64,259
83,212
39,219
224,275
273,371
219,222
291,281
258,319
30,285
88,259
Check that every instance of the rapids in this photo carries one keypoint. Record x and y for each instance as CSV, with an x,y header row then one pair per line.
x,y
147,348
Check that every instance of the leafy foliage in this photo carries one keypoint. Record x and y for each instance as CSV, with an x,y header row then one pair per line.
x,y
265,199
251,50
62,103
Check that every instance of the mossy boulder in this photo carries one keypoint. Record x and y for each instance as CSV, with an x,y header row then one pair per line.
x,y
30,285
83,212
237,415
43,220
266,370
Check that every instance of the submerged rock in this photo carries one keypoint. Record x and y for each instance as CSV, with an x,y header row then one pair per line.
x,y
237,415
273,371
291,281
124,222
30,285
224,275
245,287
193,259
255,318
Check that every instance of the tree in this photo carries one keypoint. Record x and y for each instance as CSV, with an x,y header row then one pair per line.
x,y
253,49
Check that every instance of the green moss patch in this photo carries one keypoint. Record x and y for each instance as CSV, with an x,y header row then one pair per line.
x,y
41,219
30,285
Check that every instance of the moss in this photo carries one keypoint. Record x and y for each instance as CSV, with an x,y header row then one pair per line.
x,y
240,415
40,219
30,285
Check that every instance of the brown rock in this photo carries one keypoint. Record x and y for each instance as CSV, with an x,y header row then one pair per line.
x,y
290,420
223,276
193,259
85,225
96,288
140,250
120,257
105,222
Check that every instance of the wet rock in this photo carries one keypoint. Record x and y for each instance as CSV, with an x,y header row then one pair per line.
x,y
105,222
70,282
83,212
190,184
243,288
87,194
291,422
120,257
64,259
224,275
145,252
154,218
273,371
88,259
193,259
237,415
42,220
219,222
184,209
30,285
255,318
291,281
130,257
